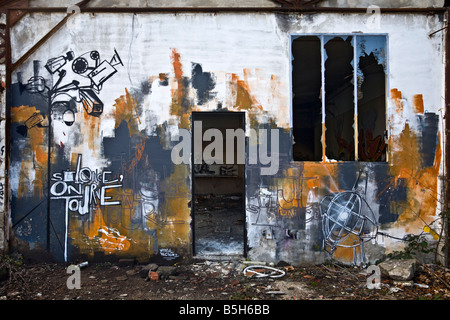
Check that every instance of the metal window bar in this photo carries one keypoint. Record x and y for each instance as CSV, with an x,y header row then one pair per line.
x,y
322,52
355,93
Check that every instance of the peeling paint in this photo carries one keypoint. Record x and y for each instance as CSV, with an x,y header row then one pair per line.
x,y
125,128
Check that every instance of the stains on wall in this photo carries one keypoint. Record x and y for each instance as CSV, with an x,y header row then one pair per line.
x,y
99,166
343,208
415,161
138,203
124,197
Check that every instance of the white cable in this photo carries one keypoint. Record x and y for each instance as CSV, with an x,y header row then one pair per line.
x,y
260,275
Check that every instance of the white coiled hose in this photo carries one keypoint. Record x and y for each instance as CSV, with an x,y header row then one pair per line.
x,y
276,273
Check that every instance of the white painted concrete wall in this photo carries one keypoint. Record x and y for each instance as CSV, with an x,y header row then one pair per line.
x,y
255,47
239,3
218,43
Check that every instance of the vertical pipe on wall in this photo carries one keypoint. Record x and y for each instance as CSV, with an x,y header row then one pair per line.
x,y
322,52
49,133
355,94
7,120
447,135
192,226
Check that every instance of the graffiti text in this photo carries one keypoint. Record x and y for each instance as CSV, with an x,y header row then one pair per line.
x,y
84,187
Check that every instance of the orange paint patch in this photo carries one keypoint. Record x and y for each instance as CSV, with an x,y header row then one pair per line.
x,y
298,181
244,100
180,106
347,254
396,95
421,183
162,77
99,235
30,118
313,183
418,103
241,98
176,231
406,159
177,66
127,110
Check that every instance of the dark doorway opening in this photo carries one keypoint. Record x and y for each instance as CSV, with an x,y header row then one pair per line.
x,y
218,187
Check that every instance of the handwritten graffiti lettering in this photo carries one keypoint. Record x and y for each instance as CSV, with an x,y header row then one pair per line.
x,y
2,193
168,254
290,212
84,187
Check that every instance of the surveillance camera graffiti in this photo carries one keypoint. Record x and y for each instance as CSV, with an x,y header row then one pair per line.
x,y
74,79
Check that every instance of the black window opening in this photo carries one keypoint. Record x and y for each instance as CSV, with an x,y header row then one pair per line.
x,y
339,109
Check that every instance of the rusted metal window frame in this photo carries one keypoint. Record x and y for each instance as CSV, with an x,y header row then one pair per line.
x,y
354,36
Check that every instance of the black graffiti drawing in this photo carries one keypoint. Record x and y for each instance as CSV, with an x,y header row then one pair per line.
x,y
154,203
228,170
203,169
347,220
147,197
2,192
282,208
294,207
264,201
78,79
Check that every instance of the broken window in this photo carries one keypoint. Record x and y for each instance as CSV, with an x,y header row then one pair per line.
x,y
339,97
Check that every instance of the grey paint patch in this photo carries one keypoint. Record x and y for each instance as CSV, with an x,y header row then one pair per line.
x,y
204,82
429,138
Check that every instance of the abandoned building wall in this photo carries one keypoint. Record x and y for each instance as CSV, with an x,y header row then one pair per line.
x,y
156,3
102,104
3,215
241,3
383,3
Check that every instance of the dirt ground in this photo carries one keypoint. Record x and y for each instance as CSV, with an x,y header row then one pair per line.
x,y
212,280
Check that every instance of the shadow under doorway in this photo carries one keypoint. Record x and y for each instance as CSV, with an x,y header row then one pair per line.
x,y
218,189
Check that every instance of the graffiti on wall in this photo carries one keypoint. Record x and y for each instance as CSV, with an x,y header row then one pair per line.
x,y
223,170
83,188
138,202
348,220
327,205
72,78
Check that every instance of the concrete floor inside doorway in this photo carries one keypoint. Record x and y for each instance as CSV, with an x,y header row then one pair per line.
x,y
219,225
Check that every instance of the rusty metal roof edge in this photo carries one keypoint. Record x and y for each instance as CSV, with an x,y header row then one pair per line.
x,y
228,9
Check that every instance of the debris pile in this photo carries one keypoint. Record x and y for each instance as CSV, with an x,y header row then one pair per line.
x,y
224,280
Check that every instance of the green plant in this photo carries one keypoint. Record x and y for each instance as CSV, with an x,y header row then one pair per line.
x,y
314,283
415,244
10,267
420,243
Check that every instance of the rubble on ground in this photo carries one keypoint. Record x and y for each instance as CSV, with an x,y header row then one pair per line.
x,y
219,280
